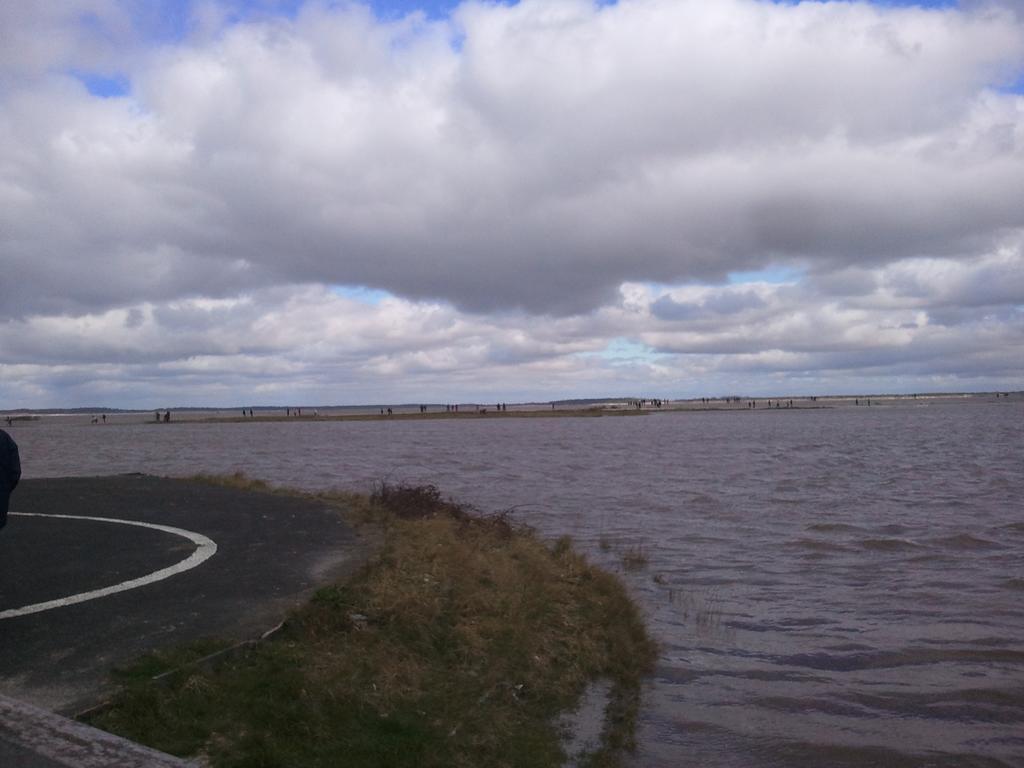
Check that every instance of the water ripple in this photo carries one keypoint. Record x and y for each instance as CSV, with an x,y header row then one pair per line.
x,y
831,587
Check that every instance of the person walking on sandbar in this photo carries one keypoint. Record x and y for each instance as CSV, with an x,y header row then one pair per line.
x,y
10,472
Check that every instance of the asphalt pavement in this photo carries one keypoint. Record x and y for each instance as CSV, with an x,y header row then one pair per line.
x,y
95,572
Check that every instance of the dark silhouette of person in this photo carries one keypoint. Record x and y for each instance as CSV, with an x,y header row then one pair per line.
x,y
10,472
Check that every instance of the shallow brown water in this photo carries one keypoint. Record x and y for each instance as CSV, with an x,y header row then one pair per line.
x,y
839,587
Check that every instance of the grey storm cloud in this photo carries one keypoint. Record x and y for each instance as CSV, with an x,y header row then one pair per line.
x,y
533,156
724,303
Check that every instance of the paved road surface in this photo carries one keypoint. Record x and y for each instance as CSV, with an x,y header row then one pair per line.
x,y
271,552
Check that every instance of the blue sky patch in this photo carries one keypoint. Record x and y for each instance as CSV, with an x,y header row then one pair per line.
x,y
361,293
396,9
773,275
1015,85
623,350
104,86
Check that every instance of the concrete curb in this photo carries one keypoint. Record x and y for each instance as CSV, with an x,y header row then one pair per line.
x,y
31,737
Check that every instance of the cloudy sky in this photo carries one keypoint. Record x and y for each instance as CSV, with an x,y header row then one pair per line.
x,y
307,202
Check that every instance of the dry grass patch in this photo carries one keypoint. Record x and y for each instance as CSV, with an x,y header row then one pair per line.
x,y
457,645
634,558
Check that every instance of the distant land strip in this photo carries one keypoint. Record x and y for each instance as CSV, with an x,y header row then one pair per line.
x,y
405,416
580,407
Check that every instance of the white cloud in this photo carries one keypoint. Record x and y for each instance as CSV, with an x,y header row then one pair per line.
x,y
513,177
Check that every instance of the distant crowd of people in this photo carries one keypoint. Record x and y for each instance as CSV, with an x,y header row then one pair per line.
x,y
644,402
776,404
453,408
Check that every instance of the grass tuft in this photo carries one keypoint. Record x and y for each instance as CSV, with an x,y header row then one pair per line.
x,y
634,558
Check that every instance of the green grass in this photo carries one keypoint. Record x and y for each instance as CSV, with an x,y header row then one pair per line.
x,y
458,644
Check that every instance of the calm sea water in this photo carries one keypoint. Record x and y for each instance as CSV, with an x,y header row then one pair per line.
x,y
835,587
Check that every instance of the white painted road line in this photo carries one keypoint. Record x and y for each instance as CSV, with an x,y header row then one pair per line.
x,y
205,549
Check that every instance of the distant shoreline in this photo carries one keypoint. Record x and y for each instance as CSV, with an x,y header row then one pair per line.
x,y
562,409
426,416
